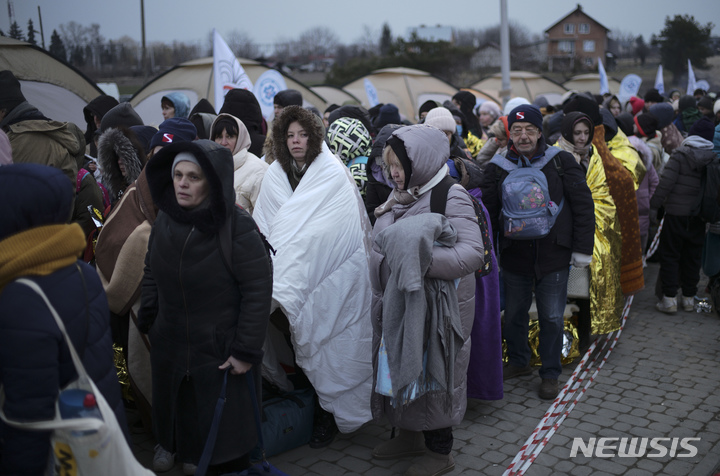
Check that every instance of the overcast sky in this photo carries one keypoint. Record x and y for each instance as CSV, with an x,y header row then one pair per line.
x,y
269,21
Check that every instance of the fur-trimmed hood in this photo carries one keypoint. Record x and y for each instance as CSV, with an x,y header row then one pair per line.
x,y
216,163
312,125
113,144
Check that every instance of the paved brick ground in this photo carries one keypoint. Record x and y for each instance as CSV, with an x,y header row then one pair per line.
x,y
661,380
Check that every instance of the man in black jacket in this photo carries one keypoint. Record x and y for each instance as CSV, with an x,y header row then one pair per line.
x,y
540,264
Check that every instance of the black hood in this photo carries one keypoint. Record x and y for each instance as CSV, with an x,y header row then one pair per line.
x,y
216,163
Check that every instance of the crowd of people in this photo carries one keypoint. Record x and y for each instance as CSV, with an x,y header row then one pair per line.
x,y
381,263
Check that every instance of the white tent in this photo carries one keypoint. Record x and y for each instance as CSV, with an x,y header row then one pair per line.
x,y
57,89
590,82
195,79
522,84
407,88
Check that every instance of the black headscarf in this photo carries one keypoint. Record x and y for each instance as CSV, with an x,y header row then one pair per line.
x,y
571,120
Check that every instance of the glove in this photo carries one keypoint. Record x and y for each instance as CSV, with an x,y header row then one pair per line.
x,y
580,260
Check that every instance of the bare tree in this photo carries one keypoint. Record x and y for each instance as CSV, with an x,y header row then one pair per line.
x,y
317,41
73,35
368,42
95,42
622,43
242,45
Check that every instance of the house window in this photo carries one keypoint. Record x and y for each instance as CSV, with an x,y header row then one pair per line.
x,y
566,46
588,61
569,28
589,45
584,28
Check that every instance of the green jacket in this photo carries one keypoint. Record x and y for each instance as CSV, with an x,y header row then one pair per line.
x,y
44,142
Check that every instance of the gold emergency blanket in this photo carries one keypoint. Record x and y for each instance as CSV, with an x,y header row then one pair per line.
x,y
122,371
606,299
569,351
627,155
622,185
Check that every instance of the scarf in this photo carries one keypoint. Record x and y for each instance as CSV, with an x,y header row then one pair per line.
x,y
622,190
406,197
581,154
39,251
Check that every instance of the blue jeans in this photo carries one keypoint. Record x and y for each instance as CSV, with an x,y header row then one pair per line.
x,y
550,296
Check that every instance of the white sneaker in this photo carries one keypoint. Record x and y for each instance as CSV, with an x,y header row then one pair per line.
x,y
688,303
189,469
668,305
163,460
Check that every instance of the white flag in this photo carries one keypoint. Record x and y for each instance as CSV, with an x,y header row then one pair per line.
x,y
629,87
659,83
227,72
266,87
604,87
691,80
371,93
702,84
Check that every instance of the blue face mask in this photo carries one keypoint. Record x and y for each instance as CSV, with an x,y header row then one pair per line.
x,y
459,129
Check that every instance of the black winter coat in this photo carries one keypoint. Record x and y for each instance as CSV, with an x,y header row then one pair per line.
x,y
198,313
35,361
573,230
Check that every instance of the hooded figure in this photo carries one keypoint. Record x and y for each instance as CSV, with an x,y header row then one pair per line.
x,y
354,112
683,233
33,137
122,115
380,184
94,112
288,97
120,160
205,308
243,104
688,113
202,116
389,114
407,272
179,101
351,141
601,314
311,212
466,102
248,169
37,243
622,185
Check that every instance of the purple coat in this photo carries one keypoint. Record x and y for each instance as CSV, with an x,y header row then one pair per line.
x,y
647,186
484,375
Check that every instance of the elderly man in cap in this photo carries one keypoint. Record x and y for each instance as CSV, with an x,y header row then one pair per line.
x,y
539,264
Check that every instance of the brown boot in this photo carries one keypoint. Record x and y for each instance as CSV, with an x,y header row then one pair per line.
x,y
407,443
431,464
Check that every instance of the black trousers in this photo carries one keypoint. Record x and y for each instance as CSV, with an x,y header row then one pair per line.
x,y
439,441
681,244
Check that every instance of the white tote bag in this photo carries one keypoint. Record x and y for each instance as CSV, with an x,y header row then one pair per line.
x,y
104,452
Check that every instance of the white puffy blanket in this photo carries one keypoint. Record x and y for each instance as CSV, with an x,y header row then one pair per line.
x,y
321,235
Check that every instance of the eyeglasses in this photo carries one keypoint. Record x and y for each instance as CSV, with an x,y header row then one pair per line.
x,y
531,131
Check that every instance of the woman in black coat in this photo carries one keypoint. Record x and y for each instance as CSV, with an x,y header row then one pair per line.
x,y
205,305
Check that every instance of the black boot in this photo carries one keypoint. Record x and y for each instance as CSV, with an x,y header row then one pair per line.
x,y
324,428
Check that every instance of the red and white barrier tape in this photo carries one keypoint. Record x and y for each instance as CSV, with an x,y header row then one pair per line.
x,y
655,242
557,413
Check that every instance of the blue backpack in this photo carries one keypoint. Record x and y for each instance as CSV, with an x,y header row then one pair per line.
x,y
528,213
